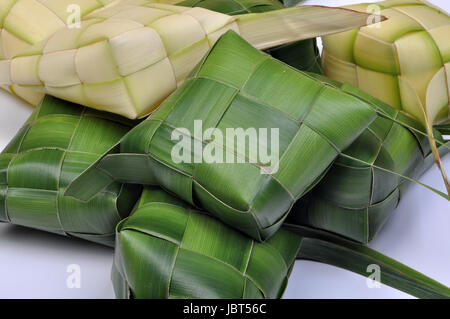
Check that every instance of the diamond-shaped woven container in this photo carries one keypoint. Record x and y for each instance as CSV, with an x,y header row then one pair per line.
x,y
239,87
404,61
126,58
94,66
165,249
356,198
58,142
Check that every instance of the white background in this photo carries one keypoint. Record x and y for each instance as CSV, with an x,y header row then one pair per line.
x,y
33,264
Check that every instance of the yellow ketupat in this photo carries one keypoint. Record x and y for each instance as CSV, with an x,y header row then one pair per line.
x,y
130,55
404,61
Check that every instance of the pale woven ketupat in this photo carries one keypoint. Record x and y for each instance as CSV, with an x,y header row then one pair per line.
x,y
129,61
166,249
95,66
57,143
23,23
129,56
405,62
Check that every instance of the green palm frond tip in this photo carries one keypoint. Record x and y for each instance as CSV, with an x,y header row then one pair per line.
x,y
165,249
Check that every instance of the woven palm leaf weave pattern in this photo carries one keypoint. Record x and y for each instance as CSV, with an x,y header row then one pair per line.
x,y
166,249
356,198
57,143
232,88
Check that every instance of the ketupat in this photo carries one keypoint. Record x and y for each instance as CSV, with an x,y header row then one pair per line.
x,y
130,56
404,61
233,89
303,55
321,246
355,198
167,249
49,132
59,141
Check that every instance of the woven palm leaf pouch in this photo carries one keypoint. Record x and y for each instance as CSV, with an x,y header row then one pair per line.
x,y
365,183
166,249
57,143
300,123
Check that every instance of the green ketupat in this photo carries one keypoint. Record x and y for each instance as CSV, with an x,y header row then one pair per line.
x,y
58,142
356,198
128,57
404,61
167,249
307,125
